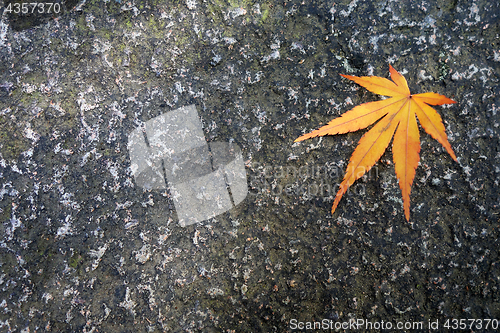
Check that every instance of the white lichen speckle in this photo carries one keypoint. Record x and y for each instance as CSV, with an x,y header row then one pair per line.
x,y
143,254
97,254
128,303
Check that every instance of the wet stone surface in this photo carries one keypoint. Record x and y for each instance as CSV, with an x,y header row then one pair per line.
x,y
84,249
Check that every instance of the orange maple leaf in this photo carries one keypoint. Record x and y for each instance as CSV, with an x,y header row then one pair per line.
x,y
398,114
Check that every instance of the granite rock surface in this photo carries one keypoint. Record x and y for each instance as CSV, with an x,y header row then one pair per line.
x,y
84,249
